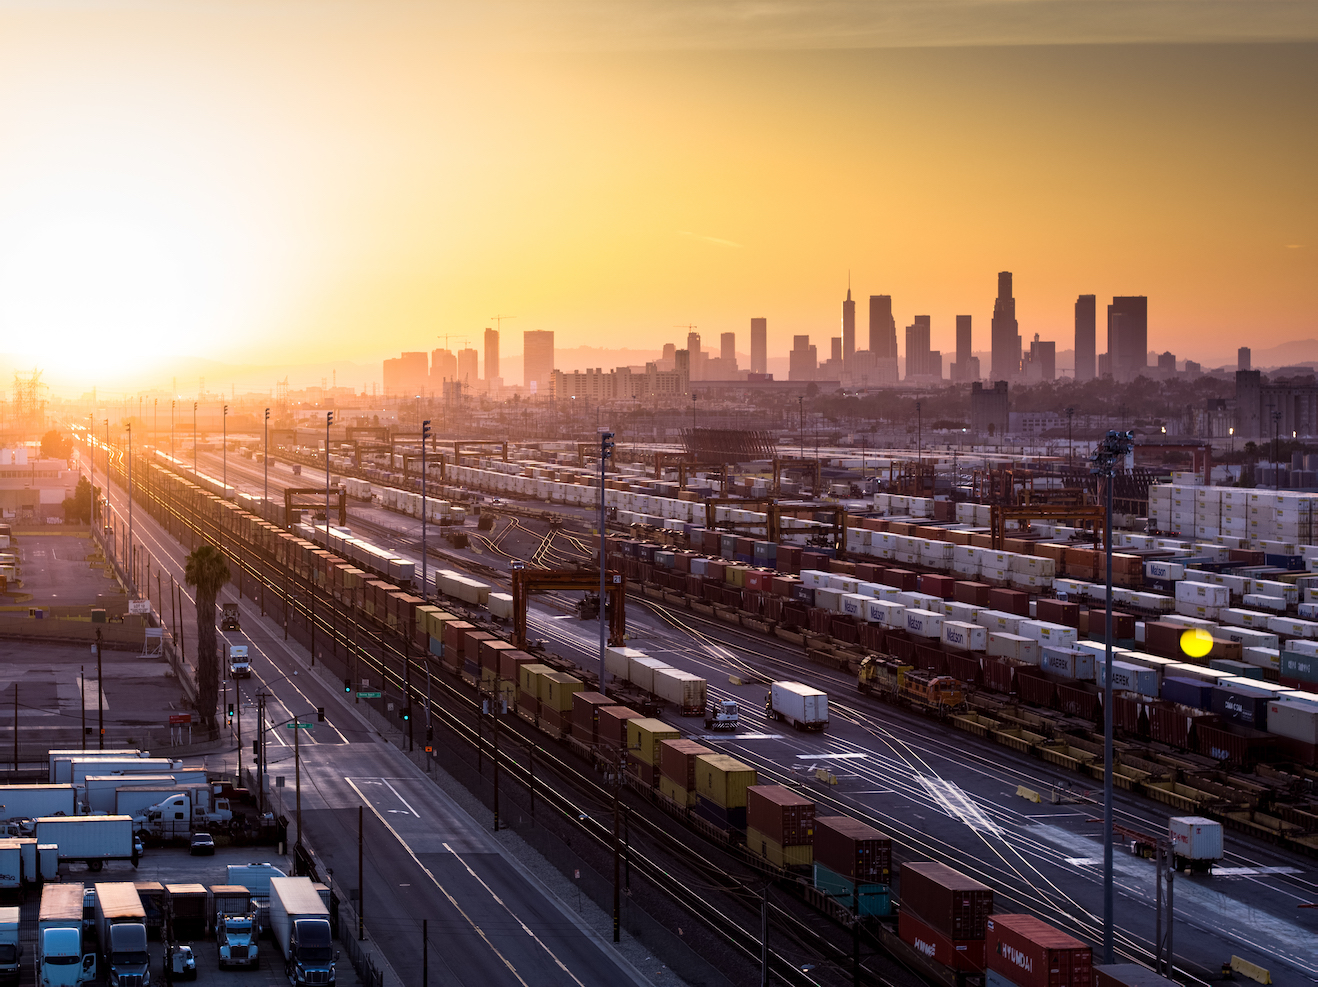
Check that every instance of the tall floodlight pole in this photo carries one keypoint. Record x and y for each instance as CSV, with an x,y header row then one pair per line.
x,y
91,455
132,582
425,585
224,448
194,440
606,452
1116,446
171,429
265,489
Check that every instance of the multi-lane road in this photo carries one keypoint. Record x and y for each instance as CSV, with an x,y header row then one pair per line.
x,y
490,922
945,795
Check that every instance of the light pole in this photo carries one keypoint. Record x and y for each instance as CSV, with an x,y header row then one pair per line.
x,y
1114,448
265,490
425,584
132,581
91,456
606,451
224,449
194,440
171,428
334,606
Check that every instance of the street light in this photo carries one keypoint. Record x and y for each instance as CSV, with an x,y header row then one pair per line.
x,y
224,448
194,440
265,490
606,452
425,584
1113,449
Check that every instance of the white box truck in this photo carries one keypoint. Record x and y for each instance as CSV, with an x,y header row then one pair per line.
x,y
33,801
802,706
300,924
121,935
60,773
1196,842
240,664
94,839
61,961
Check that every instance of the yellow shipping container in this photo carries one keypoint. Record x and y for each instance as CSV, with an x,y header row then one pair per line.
x,y
425,618
777,854
723,780
489,679
735,575
528,678
556,689
643,736
675,791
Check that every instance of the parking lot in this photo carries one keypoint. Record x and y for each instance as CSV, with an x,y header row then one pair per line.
x,y
177,866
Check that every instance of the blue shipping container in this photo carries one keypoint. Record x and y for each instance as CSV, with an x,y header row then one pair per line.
x,y
1291,563
1242,704
1188,692
871,899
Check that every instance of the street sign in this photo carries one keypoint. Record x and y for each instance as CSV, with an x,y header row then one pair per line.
x,y
299,726
369,695
180,719
139,606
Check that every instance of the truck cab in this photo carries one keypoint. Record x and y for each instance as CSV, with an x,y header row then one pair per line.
x,y
235,938
10,950
311,952
723,715
61,961
229,617
126,955
240,666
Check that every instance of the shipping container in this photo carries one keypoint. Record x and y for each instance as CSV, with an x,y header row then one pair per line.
x,y
1031,953
853,849
867,900
1242,704
585,715
946,899
612,724
962,955
780,814
723,780
1129,975
677,762
643,736
1196,839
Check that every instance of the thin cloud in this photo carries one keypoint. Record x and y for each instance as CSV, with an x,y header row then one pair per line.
x,y
710,239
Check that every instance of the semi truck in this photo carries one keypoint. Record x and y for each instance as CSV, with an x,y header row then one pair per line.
x,y
722,715
1196,842
299,921
34,801
229,617
60,959
94,839
240,663
55,756
802,706
179,815
99,791
121,935
235,939
10,950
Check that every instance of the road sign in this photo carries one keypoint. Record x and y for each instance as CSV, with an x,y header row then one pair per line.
x,y
139,606
180,719
369,695
299,726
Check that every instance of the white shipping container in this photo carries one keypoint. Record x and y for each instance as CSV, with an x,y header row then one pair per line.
x,y
1265,657
924,623
1293,627
1000,621
1203,594
1128,677
965,636
1250,637
1069,663
1158,569
1004,645
1261,601
829,599
1048,633
855,604
1196,838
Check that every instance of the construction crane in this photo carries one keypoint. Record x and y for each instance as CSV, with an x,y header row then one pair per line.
x,y
499,319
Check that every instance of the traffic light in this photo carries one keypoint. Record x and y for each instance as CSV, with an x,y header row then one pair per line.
x,y
407,713
256,748
320,714
230,720
425,430
347,685
606,445
430,734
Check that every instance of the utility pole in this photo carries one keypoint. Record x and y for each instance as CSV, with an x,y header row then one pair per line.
x,y
100,694
132,573
334,606
361,883
258,748
82,695
425,584
606,451
617,856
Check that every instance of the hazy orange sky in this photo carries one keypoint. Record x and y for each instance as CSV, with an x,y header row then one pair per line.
x,y
254,182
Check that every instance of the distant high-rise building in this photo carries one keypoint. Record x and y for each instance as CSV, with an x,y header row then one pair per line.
x,y
1167,364
1042,361
1005,332
1128,336
682,364
835,349
468,366
693,345
1086,336
727,349
966,367
922,363
667,361
491,354
883,327
848,327
989,408
803,360
443,370
759,346
406,375
1243,357
537,360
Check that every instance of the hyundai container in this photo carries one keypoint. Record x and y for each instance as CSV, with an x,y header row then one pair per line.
x,y
1031,953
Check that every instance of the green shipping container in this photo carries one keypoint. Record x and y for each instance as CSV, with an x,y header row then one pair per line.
x,y
1298,666
875,899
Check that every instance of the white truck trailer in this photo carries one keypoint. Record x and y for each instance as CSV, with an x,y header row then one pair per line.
x,y
802,706
300,924
60,960
94,839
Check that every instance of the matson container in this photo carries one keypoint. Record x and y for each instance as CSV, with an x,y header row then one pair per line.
x,y
938,947
946,899
781,814
964,636
1031,953
924,623
853,848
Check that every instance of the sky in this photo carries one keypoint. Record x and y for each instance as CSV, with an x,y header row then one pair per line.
x,y
269,183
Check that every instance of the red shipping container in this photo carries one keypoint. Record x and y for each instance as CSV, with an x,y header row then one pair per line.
x,y
490,651
782,585
901,578
780,814
789,559
868,572
938,947
854,849
471,645
511,661
1123,626
758,579
972,593
1010,601
1032,687
1058,612
940,586
585,715
1031,953
947,900
1161,638
611,724
677,761
813,560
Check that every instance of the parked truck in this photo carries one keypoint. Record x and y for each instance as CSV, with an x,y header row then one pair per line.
x,y
60,959
299,921
34,801
94,839
60,772
722,715
254,877
121,935
76,769
179,815
236,927
803,707
10,950
136,799
240,664
1196,842
98,792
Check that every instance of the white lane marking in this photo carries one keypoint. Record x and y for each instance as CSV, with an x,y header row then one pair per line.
x,y
443,890
1085,861
1253,871
89,701
837,757
400,798
525,928
957,804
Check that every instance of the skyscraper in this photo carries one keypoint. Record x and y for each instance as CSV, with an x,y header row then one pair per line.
x,y
727,352
1086,337
848,327
966,367
883,328
491,354
1244,358
803,360
537,360
1128,336
1005,332
759,346
443,368
921,361
468,367
835,349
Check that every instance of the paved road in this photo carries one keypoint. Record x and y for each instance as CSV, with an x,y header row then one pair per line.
x,y
426,859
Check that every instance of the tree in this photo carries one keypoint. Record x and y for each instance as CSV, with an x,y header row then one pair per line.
x,y
55,446
208,572
78,508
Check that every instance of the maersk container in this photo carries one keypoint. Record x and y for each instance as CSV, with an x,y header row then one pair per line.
x,y
1196,838
1242,704
1069,663
964,636
924,623
1128,677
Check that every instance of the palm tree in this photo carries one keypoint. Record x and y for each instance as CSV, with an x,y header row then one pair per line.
x,y
207,570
